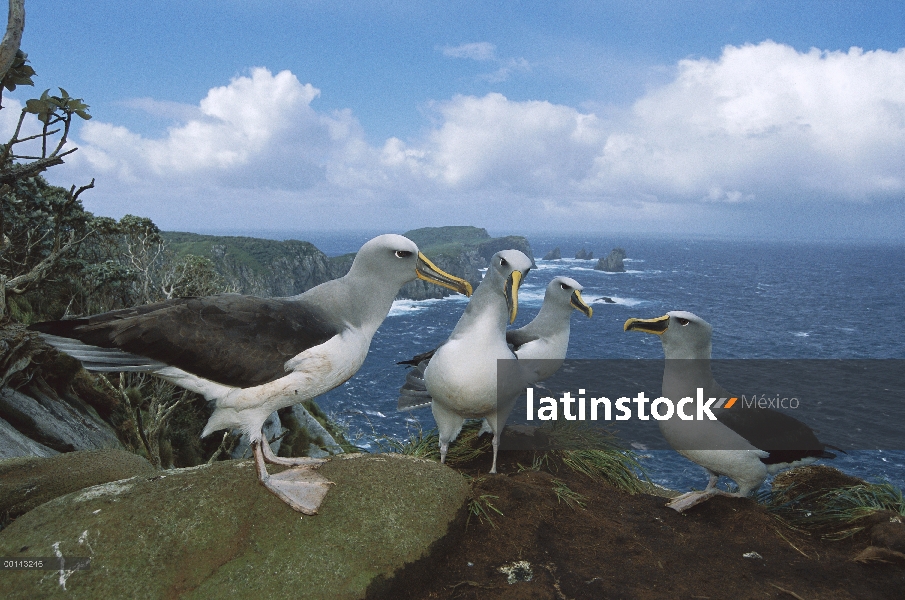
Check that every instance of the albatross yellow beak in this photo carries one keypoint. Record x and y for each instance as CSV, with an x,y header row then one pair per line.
x,y
511,292
578,302
656,326
428,271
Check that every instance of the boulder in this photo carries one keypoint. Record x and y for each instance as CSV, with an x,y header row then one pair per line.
x,y
31,481
583,254
13,444
213,532
62,423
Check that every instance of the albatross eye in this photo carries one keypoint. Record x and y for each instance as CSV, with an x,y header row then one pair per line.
x,y
503,262
564,286
403,253
682,322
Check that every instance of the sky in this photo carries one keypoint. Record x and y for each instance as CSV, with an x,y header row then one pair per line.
x,y
739,119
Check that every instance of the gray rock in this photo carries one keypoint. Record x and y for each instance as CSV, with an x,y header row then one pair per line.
x,y
64,423
13,444
554,254
214,532
29,482
613,262
272,429
315,430
583,254
314,451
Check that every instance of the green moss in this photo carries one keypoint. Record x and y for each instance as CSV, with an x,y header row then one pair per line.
x,y
214,532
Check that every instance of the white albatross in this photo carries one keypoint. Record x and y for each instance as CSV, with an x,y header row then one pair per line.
x,y
745,444
462,376
252,356
544,341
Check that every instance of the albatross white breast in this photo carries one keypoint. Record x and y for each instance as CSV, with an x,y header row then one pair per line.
x,y
544,341
462,377
252,356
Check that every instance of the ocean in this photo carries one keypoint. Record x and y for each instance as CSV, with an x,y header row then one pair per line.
x,y
765,300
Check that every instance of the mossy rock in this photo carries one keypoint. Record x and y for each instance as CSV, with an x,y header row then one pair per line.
x,y
28,482
213,532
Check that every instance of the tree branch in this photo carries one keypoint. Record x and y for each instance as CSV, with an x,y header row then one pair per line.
x,y
13,37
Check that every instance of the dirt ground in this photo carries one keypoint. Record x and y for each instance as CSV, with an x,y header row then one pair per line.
x,y
631,546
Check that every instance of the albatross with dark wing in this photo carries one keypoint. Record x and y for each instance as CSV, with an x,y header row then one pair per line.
x,y
252,356
462,377
745,444
544,341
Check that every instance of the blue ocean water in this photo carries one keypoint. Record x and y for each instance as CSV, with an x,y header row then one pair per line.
x,y
764,300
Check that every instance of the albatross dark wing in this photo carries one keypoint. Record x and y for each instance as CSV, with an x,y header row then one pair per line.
x,y
516,338
232,339
786,438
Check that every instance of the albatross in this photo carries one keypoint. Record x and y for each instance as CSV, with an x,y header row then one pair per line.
x,y
544,341
252,356
745,444
462,375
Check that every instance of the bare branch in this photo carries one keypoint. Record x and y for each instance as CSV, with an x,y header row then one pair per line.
x,y
31,169
13,37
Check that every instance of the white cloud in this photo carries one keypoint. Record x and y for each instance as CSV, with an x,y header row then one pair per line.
x,y
486,52
762,124
766,119
476,51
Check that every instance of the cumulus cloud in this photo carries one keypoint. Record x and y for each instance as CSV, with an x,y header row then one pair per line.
x,y
233,126
762,124
767,120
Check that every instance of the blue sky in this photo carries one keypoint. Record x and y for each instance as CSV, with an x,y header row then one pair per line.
x,y
682,118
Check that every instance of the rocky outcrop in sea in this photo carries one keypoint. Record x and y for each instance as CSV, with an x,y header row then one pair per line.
x,y
612,263
554,254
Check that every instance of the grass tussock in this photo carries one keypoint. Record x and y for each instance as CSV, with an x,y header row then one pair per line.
x,y
426,444
565,495
834,513
599,455
592,452
481,507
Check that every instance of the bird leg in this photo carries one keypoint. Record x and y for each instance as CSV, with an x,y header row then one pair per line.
x,y
689,499
444,447
302,461
302,488
496,446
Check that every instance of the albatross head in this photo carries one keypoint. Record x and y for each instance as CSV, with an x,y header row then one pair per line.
x,y
566,292
396,260
683,334
505,273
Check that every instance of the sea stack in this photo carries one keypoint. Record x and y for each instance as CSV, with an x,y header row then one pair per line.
x,y
613,262
554,254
